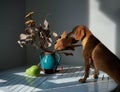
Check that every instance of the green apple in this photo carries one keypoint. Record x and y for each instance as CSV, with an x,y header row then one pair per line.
x,y
33,70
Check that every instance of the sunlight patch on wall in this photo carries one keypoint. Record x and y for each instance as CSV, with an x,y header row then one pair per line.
x,y
102,26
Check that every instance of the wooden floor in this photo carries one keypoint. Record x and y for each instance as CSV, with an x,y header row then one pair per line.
x,y
16,80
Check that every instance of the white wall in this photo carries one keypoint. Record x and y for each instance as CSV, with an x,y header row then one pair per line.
x,y
102,17
104,20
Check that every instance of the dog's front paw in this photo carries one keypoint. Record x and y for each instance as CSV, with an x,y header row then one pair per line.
x,y
82,80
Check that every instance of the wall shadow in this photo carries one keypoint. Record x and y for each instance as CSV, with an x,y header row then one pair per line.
x,y
111,8
12,23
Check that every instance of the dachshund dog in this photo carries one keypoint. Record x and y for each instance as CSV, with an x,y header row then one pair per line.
x,y
94,53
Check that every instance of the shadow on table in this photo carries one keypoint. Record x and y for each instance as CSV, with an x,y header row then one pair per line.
x,y
66,78
117,89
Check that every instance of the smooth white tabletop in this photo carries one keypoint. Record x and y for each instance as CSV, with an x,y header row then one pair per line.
x,y
15,80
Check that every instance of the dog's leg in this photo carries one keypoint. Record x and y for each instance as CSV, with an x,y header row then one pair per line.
x,y
87,67
95,74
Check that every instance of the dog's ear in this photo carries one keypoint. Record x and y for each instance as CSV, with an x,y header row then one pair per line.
x,y
79,34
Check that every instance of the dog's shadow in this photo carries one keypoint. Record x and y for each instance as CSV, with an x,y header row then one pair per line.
x,y
117,89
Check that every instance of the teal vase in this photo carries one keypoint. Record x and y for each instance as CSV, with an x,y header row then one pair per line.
x,y
49,61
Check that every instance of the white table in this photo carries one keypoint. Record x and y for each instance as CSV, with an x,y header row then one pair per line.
x,y
15,80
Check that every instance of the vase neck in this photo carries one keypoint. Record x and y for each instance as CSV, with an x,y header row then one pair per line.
x,y
47,53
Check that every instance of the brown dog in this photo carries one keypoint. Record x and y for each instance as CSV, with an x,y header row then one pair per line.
x,y
95,53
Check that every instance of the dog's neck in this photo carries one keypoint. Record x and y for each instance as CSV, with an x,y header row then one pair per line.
x,y
85,39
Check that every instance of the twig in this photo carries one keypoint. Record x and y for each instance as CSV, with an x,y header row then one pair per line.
x,y
72,47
